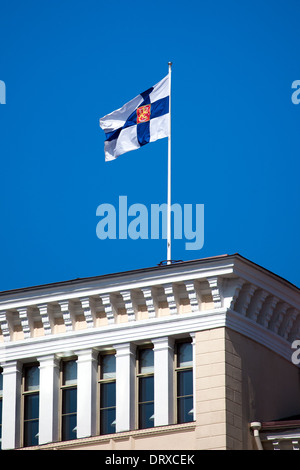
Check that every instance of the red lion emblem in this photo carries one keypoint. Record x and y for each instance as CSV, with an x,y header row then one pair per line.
x,y
143,113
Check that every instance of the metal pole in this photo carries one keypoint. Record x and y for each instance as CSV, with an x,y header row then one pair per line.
x,y
169,175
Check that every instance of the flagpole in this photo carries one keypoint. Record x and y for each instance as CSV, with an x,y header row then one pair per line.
x,y
169,176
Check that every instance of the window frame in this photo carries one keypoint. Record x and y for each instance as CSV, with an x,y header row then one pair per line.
x,y
25,393
62,388
177,370
139,376
101,381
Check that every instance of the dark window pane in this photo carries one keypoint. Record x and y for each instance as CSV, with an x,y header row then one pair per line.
x,y
184,410
107,421
69,427
70,372
31,429
69,403
108,366
185,383
184,355
146,415
32,378
108,395
1,383
146,361
31,406
146,388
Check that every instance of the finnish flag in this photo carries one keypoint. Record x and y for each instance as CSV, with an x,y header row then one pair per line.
x,y
142,120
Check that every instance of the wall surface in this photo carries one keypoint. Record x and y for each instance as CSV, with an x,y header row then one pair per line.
x,y
260,386
210,390
237,381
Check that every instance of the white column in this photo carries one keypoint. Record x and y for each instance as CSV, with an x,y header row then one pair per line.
x,y
193,336
163,381
125,387
12,377
86,392
48,400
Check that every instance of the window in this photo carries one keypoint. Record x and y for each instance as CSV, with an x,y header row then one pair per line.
x,y
107,391
184,380
1,395
145,379
69,400
30,404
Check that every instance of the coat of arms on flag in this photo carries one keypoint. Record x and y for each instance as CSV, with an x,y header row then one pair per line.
x,y
143,113
140,121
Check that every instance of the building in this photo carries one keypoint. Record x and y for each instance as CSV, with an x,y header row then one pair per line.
x,y
196,355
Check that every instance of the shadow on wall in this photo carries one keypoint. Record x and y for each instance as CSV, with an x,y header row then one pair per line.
x,y
269,388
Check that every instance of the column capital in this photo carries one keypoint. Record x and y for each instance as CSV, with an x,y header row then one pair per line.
x,y
11,367
49,360
123,349
86,355
193,336
163,342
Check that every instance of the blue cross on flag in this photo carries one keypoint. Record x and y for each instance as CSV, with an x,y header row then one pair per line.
x,y
140,121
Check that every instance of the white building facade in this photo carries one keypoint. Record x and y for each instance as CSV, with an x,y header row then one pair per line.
x,y
142,359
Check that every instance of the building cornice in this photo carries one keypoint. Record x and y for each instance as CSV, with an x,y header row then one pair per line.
x,y
226,291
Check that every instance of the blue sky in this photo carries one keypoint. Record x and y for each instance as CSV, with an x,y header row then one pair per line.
x,y
235,131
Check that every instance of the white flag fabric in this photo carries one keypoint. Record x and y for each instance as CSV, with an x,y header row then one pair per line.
x,y
140,121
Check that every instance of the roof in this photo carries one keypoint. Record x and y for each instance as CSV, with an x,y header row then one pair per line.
x,y
173,266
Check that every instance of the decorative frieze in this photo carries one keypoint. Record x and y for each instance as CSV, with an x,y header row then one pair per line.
x,y
110,309
256,304
278,316
194,298
215,284
287,324
26,321
45,311
67,309
172,298
267,310
244,299
88,307
5,325
294,332
187,294
130,306
151,303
